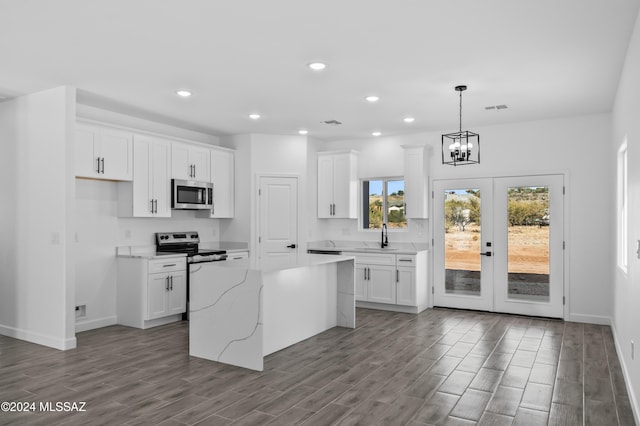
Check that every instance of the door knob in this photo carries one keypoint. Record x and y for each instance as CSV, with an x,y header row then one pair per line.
x,y
291,246
488,253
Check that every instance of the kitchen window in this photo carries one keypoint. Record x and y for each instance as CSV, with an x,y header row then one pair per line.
x,y
383,202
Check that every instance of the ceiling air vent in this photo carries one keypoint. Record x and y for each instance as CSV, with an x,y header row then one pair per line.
x,y
495,107
332,122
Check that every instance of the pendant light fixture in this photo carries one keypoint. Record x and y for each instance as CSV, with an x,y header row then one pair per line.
x,y
461,147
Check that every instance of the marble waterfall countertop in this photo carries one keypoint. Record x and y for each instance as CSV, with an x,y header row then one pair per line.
x,y
300,260
367,246
241,311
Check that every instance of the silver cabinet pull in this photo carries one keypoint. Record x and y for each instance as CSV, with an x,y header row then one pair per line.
x,y
167,286
171,280
405,260
397,276
168,265
102,161
98,166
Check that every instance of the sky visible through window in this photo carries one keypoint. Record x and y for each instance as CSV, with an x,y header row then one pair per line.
x,y
375,186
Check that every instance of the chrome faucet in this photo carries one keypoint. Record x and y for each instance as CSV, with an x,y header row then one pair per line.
x,y
385,236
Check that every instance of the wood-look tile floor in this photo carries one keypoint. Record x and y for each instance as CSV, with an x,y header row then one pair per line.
x,y
440,367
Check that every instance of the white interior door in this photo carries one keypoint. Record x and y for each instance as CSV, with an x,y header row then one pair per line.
x,y
463,270
498,244
278,218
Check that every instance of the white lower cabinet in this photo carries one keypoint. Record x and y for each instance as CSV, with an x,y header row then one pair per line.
x,y
381,284
166,294
362,292
406,286
392,280
151,292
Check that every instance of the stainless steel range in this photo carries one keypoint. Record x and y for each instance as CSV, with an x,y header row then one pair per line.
x,y
187,242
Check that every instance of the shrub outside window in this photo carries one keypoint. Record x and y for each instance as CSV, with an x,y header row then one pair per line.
x,y
383,202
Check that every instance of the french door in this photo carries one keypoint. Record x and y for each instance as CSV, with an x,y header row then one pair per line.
x,y
498,244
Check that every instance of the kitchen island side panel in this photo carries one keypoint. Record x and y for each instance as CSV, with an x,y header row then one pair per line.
x,y
225,322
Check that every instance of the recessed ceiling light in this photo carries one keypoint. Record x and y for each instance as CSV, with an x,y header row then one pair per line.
x,y
372,98
254,116
303,132
375,133
408,119
317,66
183,93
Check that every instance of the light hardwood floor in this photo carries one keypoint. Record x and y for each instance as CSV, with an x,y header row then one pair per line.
x,y
440,367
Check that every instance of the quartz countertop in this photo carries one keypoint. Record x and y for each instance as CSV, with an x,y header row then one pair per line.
x,y
367,247
289,262
144,252
149,252
228,246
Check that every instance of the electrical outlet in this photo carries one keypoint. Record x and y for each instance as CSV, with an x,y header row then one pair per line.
x,y
81,311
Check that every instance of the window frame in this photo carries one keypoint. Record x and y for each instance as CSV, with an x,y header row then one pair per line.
x,y
623,207
363,207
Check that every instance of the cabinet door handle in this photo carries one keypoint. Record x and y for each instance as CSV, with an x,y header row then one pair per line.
x,y
405,260
155,206
334,209
102,162
171,280
98,165
397,276
194,171
151,208
168,265
167,286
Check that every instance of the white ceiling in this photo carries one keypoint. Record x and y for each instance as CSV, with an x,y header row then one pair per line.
x,y
542,58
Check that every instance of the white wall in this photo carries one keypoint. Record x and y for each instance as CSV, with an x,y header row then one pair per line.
x,y
37,281
260,154
626,289
574,146
98,230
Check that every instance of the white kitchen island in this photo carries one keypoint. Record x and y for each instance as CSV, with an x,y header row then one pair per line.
x,y
241,311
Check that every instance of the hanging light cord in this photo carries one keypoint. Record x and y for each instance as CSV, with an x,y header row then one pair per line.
x,y
461,111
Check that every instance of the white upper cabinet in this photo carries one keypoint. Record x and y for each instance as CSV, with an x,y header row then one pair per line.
x,y
416,182
223,177
338,184
149,194
103,153
190,162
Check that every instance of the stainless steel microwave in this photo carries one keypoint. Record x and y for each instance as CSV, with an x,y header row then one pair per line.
x,y
191,195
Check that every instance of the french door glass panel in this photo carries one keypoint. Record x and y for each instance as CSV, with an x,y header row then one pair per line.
x,y
528,221
498,244
463,277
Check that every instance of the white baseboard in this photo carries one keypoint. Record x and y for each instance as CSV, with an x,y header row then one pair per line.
x,y
87,325
392,308
590,319
625,372
38,338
